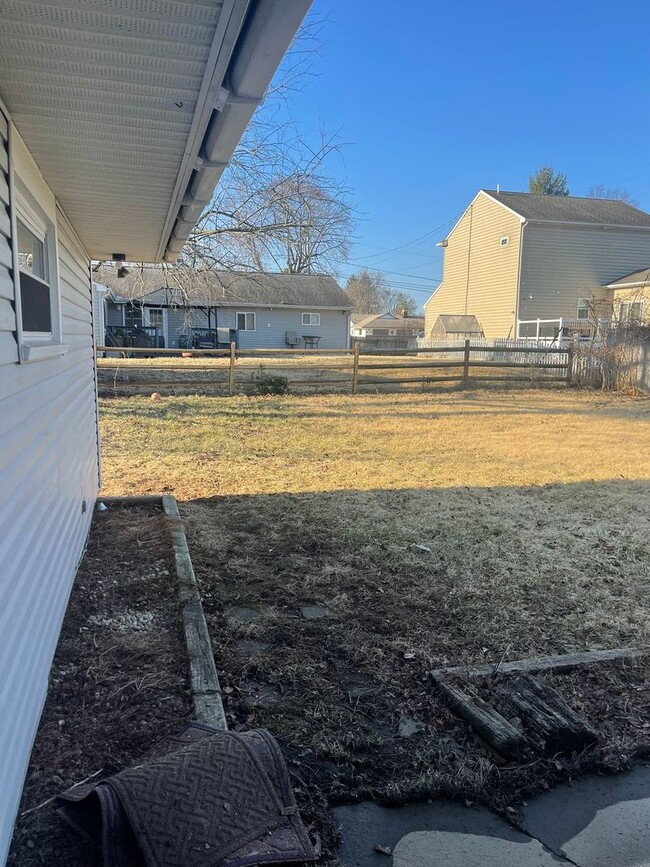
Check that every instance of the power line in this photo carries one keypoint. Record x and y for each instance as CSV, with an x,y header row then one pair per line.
x,y
414,240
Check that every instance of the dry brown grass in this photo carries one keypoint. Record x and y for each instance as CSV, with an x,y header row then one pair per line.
x,y
201,446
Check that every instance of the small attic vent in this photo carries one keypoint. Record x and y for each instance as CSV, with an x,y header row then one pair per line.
x,y
504,241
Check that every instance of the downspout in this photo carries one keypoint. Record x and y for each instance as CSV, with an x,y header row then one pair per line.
x,y
517,296
469,255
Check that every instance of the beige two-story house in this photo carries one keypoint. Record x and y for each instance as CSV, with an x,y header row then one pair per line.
x,y
514,258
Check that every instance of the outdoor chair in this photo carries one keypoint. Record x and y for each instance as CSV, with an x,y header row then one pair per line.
x,y
292,339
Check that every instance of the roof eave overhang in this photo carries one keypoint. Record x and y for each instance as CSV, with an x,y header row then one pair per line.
x,y
249,45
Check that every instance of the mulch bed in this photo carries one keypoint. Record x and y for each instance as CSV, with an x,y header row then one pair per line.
x,y
118,681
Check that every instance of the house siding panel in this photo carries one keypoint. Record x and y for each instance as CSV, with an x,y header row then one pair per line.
x,y
561,263
48,471
271,326
479,275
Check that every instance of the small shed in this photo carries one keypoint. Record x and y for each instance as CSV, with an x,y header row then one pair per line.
x,y
456,326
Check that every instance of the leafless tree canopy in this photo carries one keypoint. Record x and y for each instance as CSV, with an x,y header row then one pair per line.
x,y
281,205
600,191
370,293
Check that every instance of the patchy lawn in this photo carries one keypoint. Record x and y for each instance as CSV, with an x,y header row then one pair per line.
x,y
466,527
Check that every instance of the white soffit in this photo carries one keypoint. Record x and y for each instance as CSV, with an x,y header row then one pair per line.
x,y
113,98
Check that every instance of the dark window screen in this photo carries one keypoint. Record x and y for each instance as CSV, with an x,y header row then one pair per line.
x,y
35,304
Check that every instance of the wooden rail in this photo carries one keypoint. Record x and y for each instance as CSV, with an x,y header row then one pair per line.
x,y
359,369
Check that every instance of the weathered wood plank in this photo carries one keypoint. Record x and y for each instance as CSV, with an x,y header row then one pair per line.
x,y
501,735
560,662
204,680
545,712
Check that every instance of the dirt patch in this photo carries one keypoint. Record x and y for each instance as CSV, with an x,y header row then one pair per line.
x,y
118,680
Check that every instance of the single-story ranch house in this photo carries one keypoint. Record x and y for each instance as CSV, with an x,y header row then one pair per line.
x,y
116,122
181,307
386,330
515,258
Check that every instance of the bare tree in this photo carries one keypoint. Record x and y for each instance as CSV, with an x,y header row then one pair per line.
x,y
600,191
400,304
371,293
281,204
368,291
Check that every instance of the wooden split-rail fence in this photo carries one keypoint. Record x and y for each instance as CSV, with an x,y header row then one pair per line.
x,y
357,369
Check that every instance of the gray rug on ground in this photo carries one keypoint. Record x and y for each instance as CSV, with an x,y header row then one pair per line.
x,y
202,799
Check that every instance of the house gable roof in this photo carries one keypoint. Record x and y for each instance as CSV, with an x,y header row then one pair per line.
x,y
388,320
572,209
185,287
630,281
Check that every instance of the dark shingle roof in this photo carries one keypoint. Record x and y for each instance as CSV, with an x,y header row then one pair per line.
x,y
572,209
184,286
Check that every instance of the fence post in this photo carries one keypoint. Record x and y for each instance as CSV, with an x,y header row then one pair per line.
x,y
355,368
231,372
466,365
569,365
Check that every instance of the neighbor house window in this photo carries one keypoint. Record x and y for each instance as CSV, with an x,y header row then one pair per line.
x,y
368,331
503,242
311,318
584,308
154,317
392,332
245,322
35,295
630,312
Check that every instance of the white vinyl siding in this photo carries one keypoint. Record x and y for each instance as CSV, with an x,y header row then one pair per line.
x,y
49,480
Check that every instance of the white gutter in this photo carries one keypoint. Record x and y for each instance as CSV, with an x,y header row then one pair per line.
x,y
236,92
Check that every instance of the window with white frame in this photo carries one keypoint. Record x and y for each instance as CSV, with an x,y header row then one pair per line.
x,y
245,322
34,281
154,317
311,318
630,312
584,308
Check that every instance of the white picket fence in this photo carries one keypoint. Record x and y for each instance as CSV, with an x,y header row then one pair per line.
x,y
496,348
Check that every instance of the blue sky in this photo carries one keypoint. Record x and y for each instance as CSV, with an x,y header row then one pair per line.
x,y
439,99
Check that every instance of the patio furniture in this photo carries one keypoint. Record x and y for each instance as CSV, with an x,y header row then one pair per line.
x,y
292,339
311,340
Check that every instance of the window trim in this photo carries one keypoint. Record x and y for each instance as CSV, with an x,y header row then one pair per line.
x,y
315,324
583,303
246,313
629,303
24,206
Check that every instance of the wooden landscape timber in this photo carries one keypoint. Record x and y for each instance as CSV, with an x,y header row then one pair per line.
x,y
493,728
546,715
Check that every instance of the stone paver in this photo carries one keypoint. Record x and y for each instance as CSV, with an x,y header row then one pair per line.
x,y
431,835
598,821
452,849
244,614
